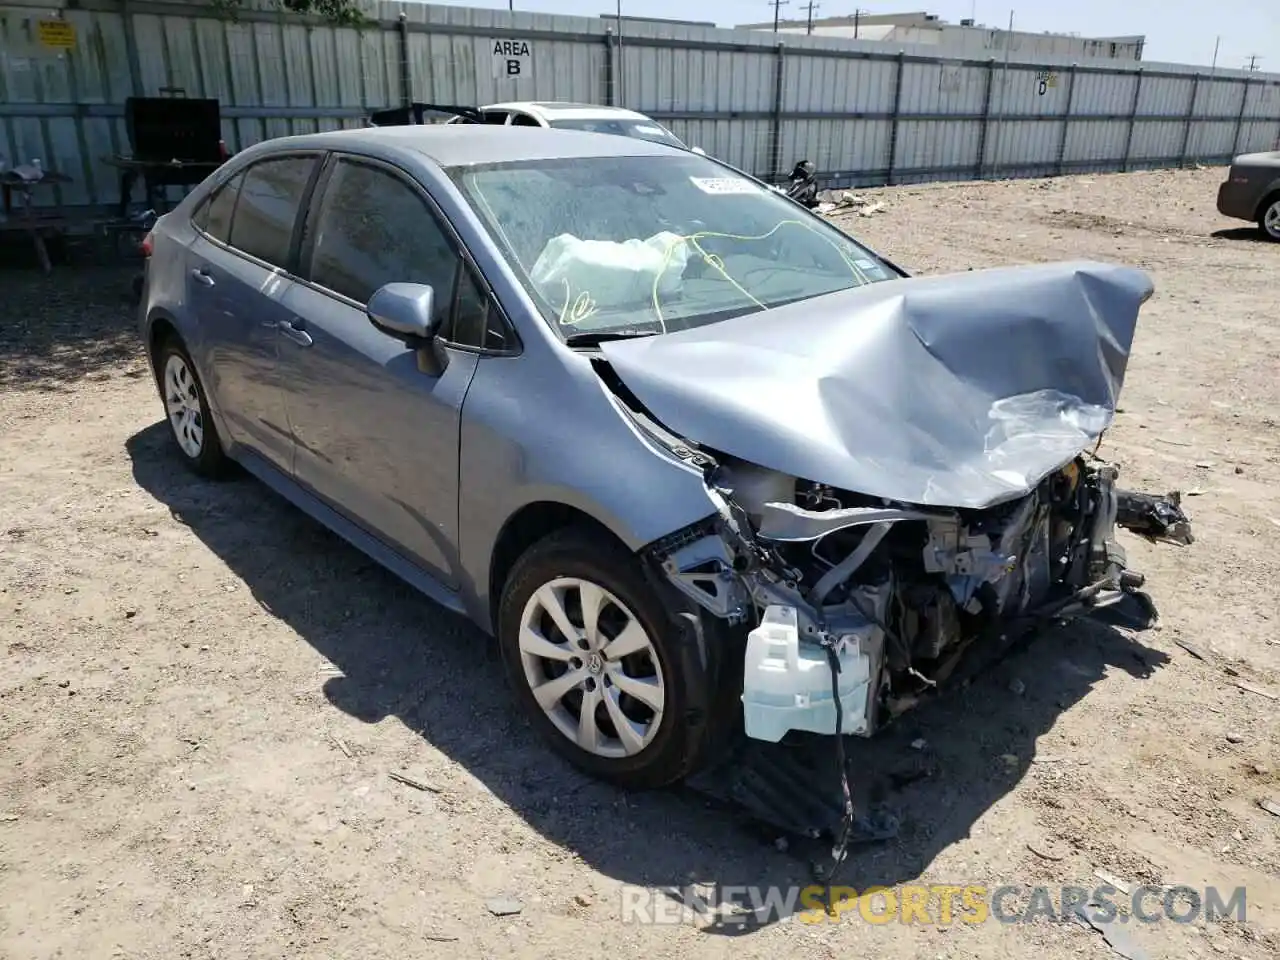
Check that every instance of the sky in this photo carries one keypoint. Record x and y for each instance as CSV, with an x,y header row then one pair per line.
x,y
1177,31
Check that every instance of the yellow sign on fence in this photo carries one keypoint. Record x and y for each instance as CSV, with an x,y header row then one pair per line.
x,y
57,34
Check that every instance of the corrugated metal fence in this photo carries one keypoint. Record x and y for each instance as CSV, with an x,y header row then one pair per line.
x,y
862,114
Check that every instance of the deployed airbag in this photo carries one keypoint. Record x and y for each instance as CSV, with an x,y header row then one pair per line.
x,y
959,390
609,273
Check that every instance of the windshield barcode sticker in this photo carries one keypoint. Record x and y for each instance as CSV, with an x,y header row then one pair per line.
x,y
723,185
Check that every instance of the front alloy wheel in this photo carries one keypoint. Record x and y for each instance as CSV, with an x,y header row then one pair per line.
x,y
600,664
591,667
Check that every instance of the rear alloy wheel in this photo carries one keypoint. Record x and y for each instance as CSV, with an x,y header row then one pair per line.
x,y
1270,219
187,411
599,665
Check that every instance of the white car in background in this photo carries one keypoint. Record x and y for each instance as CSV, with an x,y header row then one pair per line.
x,y
589,117
592,118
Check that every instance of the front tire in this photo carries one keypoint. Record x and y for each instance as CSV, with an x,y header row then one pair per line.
x,y
187,411
597,663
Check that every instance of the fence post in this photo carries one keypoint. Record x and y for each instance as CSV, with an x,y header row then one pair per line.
x,y
608,67
775,133
1244,100
986,120
1186,129
1133,120
1066,118
406,80
897,108
131,49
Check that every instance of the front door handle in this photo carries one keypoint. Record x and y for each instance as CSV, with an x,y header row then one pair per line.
x,y
199,276
296,331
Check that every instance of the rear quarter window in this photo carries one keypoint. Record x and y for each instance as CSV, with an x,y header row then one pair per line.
x,y
214,215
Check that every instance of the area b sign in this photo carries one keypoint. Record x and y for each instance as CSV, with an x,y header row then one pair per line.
x,y
512,59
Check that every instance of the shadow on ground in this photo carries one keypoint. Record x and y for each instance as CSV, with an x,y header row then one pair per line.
x,y
59,328
1241,233
403,656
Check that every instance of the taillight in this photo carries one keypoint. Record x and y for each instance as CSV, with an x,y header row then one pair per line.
x,y
146,245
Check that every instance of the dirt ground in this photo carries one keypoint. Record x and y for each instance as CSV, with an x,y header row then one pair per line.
x,y
203,692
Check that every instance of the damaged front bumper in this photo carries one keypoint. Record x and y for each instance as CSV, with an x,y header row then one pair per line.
x,y
853,611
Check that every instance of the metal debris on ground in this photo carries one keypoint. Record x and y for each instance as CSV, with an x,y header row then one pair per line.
x,y
1191,648
1270,806
1117,938
1250,688
1048,849
1116,882
410,782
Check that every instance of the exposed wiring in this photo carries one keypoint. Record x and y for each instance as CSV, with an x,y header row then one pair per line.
x,y
847,823
714,261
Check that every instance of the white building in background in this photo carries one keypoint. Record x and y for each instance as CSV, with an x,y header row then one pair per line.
x,y
965,39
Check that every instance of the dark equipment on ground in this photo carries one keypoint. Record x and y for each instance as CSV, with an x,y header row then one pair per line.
x,y
802,185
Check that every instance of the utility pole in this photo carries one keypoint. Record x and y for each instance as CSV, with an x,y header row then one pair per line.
x,y
857,17
1004,93
1253,62
809,12
777,8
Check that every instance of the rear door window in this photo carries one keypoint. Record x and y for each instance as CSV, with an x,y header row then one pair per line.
x,y
269,199
523,120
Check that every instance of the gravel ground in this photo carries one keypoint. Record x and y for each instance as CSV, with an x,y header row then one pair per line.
x,y
203,692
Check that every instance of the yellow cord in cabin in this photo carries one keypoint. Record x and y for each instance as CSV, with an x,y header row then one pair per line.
x,y
580,308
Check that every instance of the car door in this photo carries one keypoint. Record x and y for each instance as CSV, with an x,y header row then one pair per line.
x,y
236,279
377,438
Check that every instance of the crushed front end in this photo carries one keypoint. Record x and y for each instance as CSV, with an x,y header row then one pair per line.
x,y
899,474
852,608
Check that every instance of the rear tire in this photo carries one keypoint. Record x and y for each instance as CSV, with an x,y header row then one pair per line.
x,y
1269,218
627,662
187,411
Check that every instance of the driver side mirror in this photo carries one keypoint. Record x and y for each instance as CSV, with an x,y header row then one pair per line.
x,y
406,311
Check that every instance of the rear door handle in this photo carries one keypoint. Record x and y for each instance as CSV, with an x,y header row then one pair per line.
x,y
199,276
296,331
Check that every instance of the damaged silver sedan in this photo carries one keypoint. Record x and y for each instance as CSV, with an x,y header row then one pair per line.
x,y
711,471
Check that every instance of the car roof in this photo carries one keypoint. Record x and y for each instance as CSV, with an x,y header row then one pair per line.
x,y
567,110
463,144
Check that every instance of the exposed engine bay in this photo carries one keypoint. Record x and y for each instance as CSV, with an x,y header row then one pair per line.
x,y
859,607
897,591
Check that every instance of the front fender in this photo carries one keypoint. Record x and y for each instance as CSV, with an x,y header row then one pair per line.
x,y
533,436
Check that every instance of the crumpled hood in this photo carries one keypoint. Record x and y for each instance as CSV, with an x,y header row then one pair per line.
x,y
959,390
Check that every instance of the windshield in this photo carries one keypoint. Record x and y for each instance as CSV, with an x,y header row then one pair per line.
x,y
628,246
639,129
